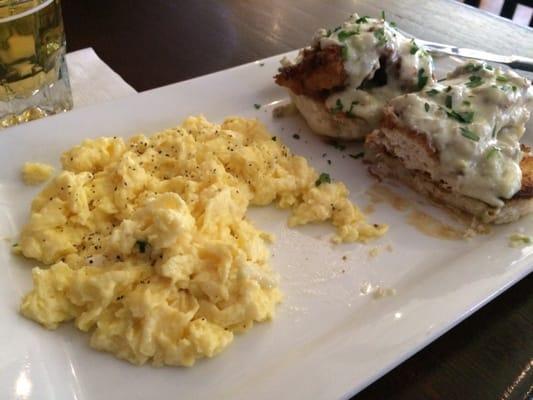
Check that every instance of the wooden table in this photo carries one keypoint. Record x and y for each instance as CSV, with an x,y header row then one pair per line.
x,y
157,42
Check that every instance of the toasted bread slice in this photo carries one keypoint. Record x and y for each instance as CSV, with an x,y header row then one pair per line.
x,y
323,122
410,165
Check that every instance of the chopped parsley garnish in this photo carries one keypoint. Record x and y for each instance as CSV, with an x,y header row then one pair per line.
x,y
338,106
323,178
383,14
473,67
492,152
344,52
337,29
517,239
422,79
257,106
432,92
337,145
343,35
379,34
393,24
463,117
448,89
494,132
474,81
142,245
489,67
467,133
448,102
466,102
426,107
362,20
274,138
349,113
414,47
296,136
514,88
501,78
358,155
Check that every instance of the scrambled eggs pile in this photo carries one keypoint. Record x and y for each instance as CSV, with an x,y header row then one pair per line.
x,y
148,241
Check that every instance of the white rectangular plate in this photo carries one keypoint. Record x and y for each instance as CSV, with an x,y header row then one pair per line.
x,y
328,340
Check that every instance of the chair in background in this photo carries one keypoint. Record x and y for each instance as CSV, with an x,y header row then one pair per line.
x,y
519,11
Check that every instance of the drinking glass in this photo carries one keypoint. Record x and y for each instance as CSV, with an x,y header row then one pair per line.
x,y
33,73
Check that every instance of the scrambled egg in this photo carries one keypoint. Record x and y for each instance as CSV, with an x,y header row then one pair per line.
x,y
148,241
34,173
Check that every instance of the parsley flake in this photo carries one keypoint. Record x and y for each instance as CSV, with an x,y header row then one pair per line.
x,y
338,106
426,107
422,79
257,106
350,113
358,155
337,145
383,14
492,152
362,20
323,178
142,245
467,133
343,35
501,78
296,136
448,102
414,48
432,92
463,117
344,52
474,81
518,239
471,67
379,34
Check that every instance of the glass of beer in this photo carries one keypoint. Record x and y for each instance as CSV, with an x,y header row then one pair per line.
x,y
33,73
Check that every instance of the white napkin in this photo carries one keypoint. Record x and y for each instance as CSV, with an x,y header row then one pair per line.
x,y
92,81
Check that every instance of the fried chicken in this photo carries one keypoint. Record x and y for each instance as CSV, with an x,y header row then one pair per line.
x,y
320,72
